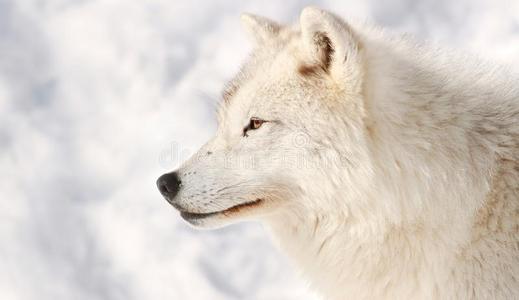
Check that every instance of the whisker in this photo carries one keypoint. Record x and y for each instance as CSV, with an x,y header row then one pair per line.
x,y
234,185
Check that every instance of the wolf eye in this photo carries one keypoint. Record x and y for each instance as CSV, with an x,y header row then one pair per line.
x,y
254,124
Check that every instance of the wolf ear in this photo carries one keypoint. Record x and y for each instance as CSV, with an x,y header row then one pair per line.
x,y
260,28
329,42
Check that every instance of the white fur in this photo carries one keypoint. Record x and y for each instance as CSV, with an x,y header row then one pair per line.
x,y
392,174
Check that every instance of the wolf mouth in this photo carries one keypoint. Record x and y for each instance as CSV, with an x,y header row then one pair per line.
x,y
189,216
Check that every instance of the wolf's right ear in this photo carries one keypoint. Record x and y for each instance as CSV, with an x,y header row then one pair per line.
x,y
260,28
330,43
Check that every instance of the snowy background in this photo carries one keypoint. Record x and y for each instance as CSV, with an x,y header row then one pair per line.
x,y
99,98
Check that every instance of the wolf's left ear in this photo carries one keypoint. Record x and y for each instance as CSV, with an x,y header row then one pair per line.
x,y
329,42
260,28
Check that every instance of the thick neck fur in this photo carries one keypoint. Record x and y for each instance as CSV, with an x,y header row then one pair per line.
x,y
402,236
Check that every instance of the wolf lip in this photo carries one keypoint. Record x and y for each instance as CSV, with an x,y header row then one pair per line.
x,y
189,216
196,216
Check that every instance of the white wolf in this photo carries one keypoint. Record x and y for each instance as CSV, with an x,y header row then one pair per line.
x,y
386,169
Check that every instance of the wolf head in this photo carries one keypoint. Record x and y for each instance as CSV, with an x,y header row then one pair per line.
x,y
291,129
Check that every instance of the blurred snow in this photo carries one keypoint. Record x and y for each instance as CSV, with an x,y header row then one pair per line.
x,y
98,98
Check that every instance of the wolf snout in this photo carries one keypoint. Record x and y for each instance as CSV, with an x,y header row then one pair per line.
x,y
168,185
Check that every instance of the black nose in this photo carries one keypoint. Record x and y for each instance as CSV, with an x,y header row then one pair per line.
x,y
168,185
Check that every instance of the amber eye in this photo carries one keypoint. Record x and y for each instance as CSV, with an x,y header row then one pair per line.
x,y
254,124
